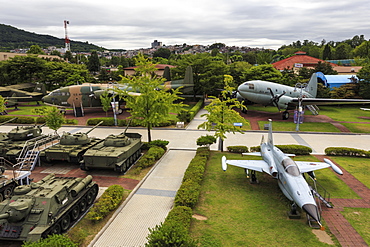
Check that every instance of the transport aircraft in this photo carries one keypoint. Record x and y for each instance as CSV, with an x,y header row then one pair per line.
x,y
286,97
287,172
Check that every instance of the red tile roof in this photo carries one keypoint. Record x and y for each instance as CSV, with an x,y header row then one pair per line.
x,y
299,58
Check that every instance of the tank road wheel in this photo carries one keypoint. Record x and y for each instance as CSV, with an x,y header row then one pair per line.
x,y
75,212
120,168
90,196
55,229
83,205
8,192
65,222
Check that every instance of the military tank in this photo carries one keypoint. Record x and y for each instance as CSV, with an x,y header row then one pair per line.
x,y
9,179
117,152
71,147
11,147
3,135
50,206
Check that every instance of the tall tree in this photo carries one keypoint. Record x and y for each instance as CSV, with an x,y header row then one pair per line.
x,y
94,63
154,103
221,116
327,52
35,49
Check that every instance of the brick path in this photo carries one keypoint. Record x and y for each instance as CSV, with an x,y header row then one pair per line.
x,y
338,225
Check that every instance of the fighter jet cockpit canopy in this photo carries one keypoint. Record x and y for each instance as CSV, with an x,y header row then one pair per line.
x,y
290,167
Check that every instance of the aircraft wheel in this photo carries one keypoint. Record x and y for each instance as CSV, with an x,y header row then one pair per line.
x,y
75,212
120,111
65,222
285,115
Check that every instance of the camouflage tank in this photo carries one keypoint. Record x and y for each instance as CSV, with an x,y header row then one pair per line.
x,y
117,152
71,147
50,206
11,147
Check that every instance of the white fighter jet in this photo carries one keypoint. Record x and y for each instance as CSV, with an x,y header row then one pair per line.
x,y
287,172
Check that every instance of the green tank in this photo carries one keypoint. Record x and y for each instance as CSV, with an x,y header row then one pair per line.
x,y
71,147
3,135
117,152
9,179
50,206
11,147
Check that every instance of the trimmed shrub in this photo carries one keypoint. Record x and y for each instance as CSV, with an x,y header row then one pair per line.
x,y
237,149
206,140
188,194
106,121
108,202
184,116
291,149
195,109
344,151
52,240
147,160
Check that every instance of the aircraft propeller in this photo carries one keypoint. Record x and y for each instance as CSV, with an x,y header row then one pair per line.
x,y
275,98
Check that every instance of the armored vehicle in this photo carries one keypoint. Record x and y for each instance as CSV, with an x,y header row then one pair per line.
x,y
11,147
71,147
3,135
118,152
50,206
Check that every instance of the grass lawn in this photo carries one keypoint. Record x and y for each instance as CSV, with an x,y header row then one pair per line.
x,y
357,127
345,113
358,167
359,218
243,214
290,126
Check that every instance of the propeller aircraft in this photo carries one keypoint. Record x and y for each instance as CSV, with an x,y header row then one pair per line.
x,y
286,97
287,172
13,93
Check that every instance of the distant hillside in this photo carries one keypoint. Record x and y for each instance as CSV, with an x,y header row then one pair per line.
x,y
14,38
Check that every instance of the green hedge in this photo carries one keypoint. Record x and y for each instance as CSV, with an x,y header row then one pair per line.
x,y
289,149
109,201
19,120
109,121
149,158
195,109
344,151
52,240
237,149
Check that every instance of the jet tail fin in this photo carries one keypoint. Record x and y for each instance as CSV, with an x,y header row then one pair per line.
x,y
312,85
270,139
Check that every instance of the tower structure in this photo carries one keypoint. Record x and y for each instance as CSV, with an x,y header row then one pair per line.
x,y
67,41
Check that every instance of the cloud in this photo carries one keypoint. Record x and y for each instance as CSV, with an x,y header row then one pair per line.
x,y
255,23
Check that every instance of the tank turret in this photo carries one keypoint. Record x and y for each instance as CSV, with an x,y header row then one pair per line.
x,y
71,147
50,206
21,133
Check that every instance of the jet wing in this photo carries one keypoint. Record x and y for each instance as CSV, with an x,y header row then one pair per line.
x,y
306,166
324,101
256,165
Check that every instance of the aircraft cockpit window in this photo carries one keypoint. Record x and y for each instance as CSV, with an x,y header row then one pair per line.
x,y
56,93
251,86
290,167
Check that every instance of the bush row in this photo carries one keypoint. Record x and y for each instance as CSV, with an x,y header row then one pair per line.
x,y
108,202
237,149
175,229
195,109
290,149
31,120
344,151
52,240
109,121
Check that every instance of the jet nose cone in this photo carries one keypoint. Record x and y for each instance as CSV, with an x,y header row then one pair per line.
x,y
312,211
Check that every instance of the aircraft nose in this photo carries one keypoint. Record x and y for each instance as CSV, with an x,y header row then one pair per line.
x,y
312,211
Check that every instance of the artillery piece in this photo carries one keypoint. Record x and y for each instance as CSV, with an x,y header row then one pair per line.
x,y
71,147
50,206
117,152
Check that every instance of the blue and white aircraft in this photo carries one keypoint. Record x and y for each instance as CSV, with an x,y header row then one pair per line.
x,y
287,172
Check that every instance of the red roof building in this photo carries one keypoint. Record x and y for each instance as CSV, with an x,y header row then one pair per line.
x,y
299,60
159,71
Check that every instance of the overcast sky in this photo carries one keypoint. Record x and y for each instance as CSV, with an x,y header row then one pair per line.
x,y
135,24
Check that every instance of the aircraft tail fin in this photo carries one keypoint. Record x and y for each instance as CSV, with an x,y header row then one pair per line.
x,y
270,139
312,85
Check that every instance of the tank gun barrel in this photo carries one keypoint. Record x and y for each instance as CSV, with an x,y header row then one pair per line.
x,y
4,216
10,120
94,127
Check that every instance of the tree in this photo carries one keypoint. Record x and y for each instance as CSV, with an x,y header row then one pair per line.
x,y
53,117
154,103
162,52
2,105
262,72
35,49
221,116
93,64
327,52
105,102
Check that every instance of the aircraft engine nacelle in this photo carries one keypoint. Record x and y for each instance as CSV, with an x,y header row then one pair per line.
x,y
284,101
273,172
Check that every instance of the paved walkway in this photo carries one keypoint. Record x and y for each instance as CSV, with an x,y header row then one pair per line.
x,y
337,223
149,204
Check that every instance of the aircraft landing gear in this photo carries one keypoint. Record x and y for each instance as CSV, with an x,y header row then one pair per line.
x,y
293,213
285,115
253,179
